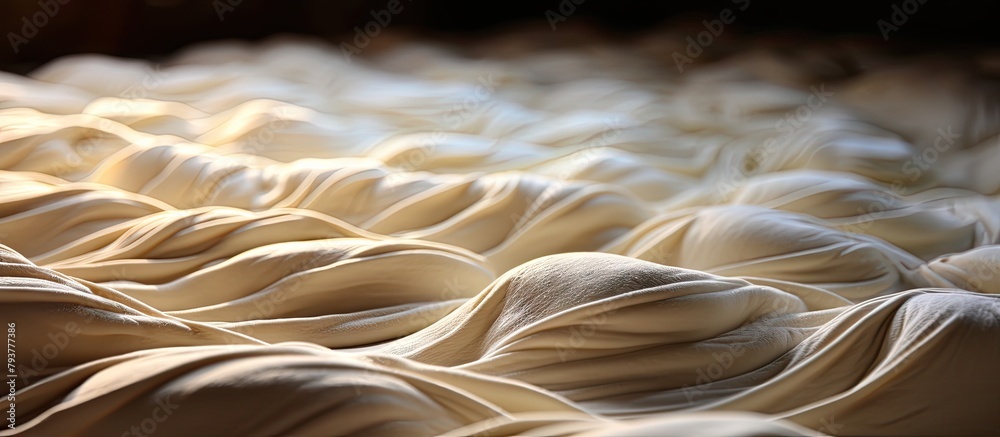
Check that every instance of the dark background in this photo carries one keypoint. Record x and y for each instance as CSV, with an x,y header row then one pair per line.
x,y
150,28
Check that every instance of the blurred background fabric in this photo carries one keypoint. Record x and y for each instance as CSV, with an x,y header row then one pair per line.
x,y
151,28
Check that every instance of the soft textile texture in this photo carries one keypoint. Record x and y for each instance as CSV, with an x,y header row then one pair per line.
x,y
269,239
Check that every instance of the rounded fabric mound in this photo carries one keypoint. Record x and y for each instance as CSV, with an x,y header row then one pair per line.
x,y
270,239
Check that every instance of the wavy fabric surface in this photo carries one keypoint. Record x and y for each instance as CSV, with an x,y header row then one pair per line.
x,y
270,239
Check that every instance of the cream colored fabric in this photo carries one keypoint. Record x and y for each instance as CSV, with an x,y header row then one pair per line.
x,y
266,239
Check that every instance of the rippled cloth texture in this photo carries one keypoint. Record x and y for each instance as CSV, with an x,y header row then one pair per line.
x,y
269,239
